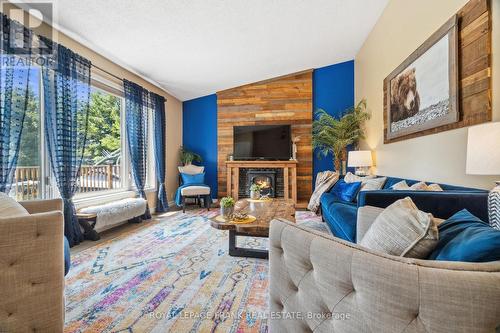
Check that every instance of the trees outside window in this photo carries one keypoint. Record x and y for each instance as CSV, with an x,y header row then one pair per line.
x,y
101,167
104,165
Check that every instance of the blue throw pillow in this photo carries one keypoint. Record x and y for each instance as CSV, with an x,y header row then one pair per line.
x,y
188,179
346,191
464,237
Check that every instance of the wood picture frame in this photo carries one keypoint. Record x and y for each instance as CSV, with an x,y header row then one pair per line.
x,y
422,92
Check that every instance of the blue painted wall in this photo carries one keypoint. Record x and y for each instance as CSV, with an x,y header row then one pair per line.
x,y
199,134
333,91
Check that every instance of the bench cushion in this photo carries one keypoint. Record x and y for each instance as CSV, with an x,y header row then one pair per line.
x,y
195,190
113,213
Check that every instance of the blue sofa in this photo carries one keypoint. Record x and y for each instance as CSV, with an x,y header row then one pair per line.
x,y
67,256
341,216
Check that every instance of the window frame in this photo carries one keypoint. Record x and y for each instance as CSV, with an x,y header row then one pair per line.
x,y
124,164
48,186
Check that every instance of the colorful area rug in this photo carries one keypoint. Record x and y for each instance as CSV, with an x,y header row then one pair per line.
x,y
174,275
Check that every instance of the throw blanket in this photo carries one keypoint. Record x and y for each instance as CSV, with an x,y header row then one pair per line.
x,y
178,196
324,181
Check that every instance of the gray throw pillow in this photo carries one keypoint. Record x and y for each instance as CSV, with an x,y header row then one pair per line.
x,y
402,230
368,183
10,207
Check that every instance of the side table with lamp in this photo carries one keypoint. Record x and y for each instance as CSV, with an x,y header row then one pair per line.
x,y
483,158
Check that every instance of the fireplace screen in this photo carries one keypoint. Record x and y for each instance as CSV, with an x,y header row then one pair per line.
x,y
265,179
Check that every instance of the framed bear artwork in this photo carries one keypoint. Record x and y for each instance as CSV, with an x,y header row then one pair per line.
x,y
422,92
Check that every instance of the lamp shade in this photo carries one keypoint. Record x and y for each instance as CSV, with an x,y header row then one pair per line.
x,y
359,158
483,154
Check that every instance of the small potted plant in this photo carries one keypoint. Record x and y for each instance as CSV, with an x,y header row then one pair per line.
x,y
187,157
255,191
227,207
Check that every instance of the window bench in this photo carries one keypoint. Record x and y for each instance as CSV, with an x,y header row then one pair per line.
x,y
116,212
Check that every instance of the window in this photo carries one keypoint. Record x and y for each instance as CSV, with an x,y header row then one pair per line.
x,y
102,161
27,182
105,166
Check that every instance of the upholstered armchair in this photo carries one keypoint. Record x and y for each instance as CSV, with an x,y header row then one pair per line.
x,y
32,269
319,283
197,190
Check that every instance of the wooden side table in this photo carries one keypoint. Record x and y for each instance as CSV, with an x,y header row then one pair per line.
x,y
87,222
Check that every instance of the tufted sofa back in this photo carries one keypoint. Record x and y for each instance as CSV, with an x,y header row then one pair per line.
x,y
320,283
32,269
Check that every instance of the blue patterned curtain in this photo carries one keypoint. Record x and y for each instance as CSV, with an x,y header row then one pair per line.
x,y
15,48
137,105
158,105
66,100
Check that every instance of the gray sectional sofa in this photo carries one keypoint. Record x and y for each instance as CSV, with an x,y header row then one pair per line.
x,y
320,283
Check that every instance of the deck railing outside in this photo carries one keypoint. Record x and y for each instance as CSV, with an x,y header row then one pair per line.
x,y
93,178
26,183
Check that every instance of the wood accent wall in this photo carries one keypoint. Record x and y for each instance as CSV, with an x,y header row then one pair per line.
x,y
279,101
474,70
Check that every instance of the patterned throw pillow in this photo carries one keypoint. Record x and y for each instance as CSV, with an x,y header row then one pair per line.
x,y
373,184
368,183
434,188
402,230
401,186
420,186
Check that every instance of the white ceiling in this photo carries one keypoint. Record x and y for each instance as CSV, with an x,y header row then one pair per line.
x,y
192,48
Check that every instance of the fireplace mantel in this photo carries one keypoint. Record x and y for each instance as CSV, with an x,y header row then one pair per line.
x,y
289,175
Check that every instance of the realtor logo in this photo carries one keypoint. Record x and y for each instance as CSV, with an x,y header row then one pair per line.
x,y
30,14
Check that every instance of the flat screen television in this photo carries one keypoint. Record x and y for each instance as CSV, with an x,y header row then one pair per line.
x,y
263,142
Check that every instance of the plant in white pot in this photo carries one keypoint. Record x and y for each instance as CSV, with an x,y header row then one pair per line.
x,y
227,207
255,191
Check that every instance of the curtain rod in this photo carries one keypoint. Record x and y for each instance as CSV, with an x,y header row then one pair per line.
x,y
120,79
107,72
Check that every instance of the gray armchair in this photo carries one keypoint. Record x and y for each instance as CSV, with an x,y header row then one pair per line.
x,y
319,283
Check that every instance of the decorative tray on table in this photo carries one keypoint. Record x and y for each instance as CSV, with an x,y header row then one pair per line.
x,y
237,218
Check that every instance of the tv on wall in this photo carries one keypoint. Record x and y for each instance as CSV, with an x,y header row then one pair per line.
x,y
264,142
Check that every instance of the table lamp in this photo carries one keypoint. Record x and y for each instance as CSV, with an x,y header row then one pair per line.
x,y
483,158
361,160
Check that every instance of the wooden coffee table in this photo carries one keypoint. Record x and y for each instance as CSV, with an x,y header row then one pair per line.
x,y
265,212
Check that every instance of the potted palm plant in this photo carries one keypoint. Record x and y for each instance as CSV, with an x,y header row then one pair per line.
x,y
187,157
332,135
227,207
